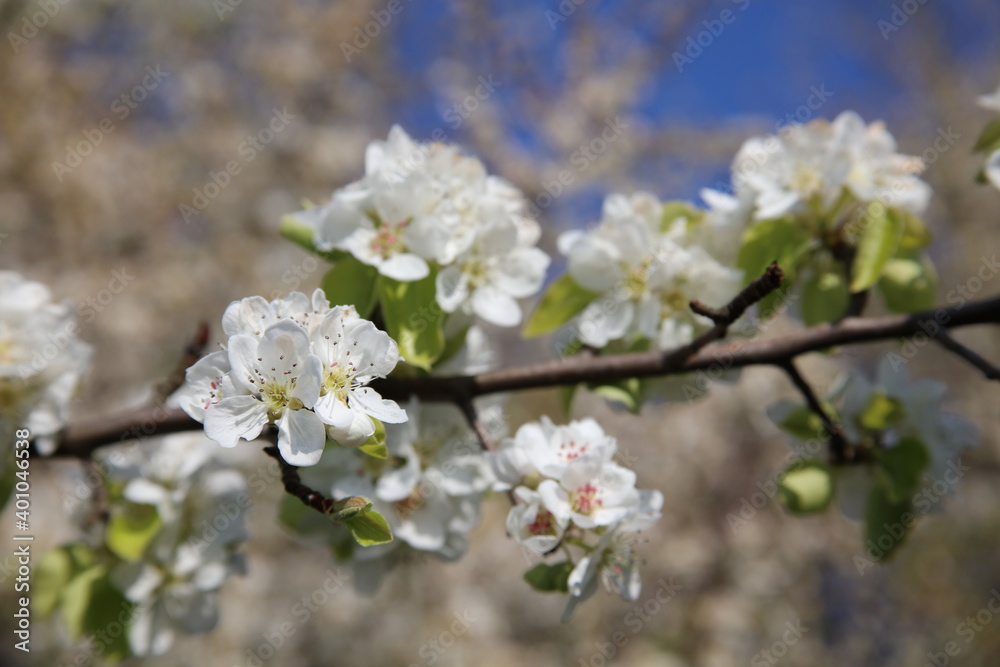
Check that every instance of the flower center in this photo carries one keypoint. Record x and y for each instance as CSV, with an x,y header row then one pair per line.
x,y
568,451
585,499
543,523
388,240
277,397
337,380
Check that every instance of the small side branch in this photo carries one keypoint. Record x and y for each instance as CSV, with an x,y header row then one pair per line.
x,y
294,486
839,447
946,341
476,424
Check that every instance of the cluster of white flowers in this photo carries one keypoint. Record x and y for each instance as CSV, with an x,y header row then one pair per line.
x,y
420,205
820,168
41,359
915,410
567,484
176,581
430,485
297,363
647,270
429,488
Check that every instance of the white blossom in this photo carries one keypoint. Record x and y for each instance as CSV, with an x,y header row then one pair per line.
x,y
41,359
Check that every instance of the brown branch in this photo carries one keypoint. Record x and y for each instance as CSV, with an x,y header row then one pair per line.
x,y
946,341
194,351
839,447
80,440
294,486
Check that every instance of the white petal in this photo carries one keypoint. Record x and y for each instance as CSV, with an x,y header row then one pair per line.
x,y
381,409
405,267
301,437
491,304
452,288
233,418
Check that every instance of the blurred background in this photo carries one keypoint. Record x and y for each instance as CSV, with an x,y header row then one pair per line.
x,y
116,119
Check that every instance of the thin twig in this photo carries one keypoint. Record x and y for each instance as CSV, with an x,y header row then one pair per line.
x,y
477,426
294,486
945,339
839,447
192,353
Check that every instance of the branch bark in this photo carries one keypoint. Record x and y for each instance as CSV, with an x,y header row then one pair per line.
x,y
81,439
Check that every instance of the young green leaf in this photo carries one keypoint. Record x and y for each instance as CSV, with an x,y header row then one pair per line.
x,y
908,285
130,529
879,238
824,298
370,528
55,570
887,523
562,301
781,239
375,445
902,467
550,578
352,282
413,318
91,604
989,138
806,487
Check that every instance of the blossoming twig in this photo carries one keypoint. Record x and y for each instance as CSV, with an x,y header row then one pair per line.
x,y
294,486
839,448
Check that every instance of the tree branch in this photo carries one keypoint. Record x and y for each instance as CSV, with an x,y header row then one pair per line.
x,y
81,439
839,449
294,486
946,341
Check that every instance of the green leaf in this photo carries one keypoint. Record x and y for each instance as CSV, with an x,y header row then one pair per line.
x,y
626,392
130,529
887,523
802,423
678,209
879,238
989,138
824,298
783,240
881,412
375,445
50,578
902,467
352,282
550,578
413,318
806,487
915,232
91,604
908,285
562,301
370,528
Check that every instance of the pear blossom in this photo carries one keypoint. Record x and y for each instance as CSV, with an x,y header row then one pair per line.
x,y
277,380
567,488
915,412
299,364
423,207
820,171
614,561
646,271
352,352
41,360
175,583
